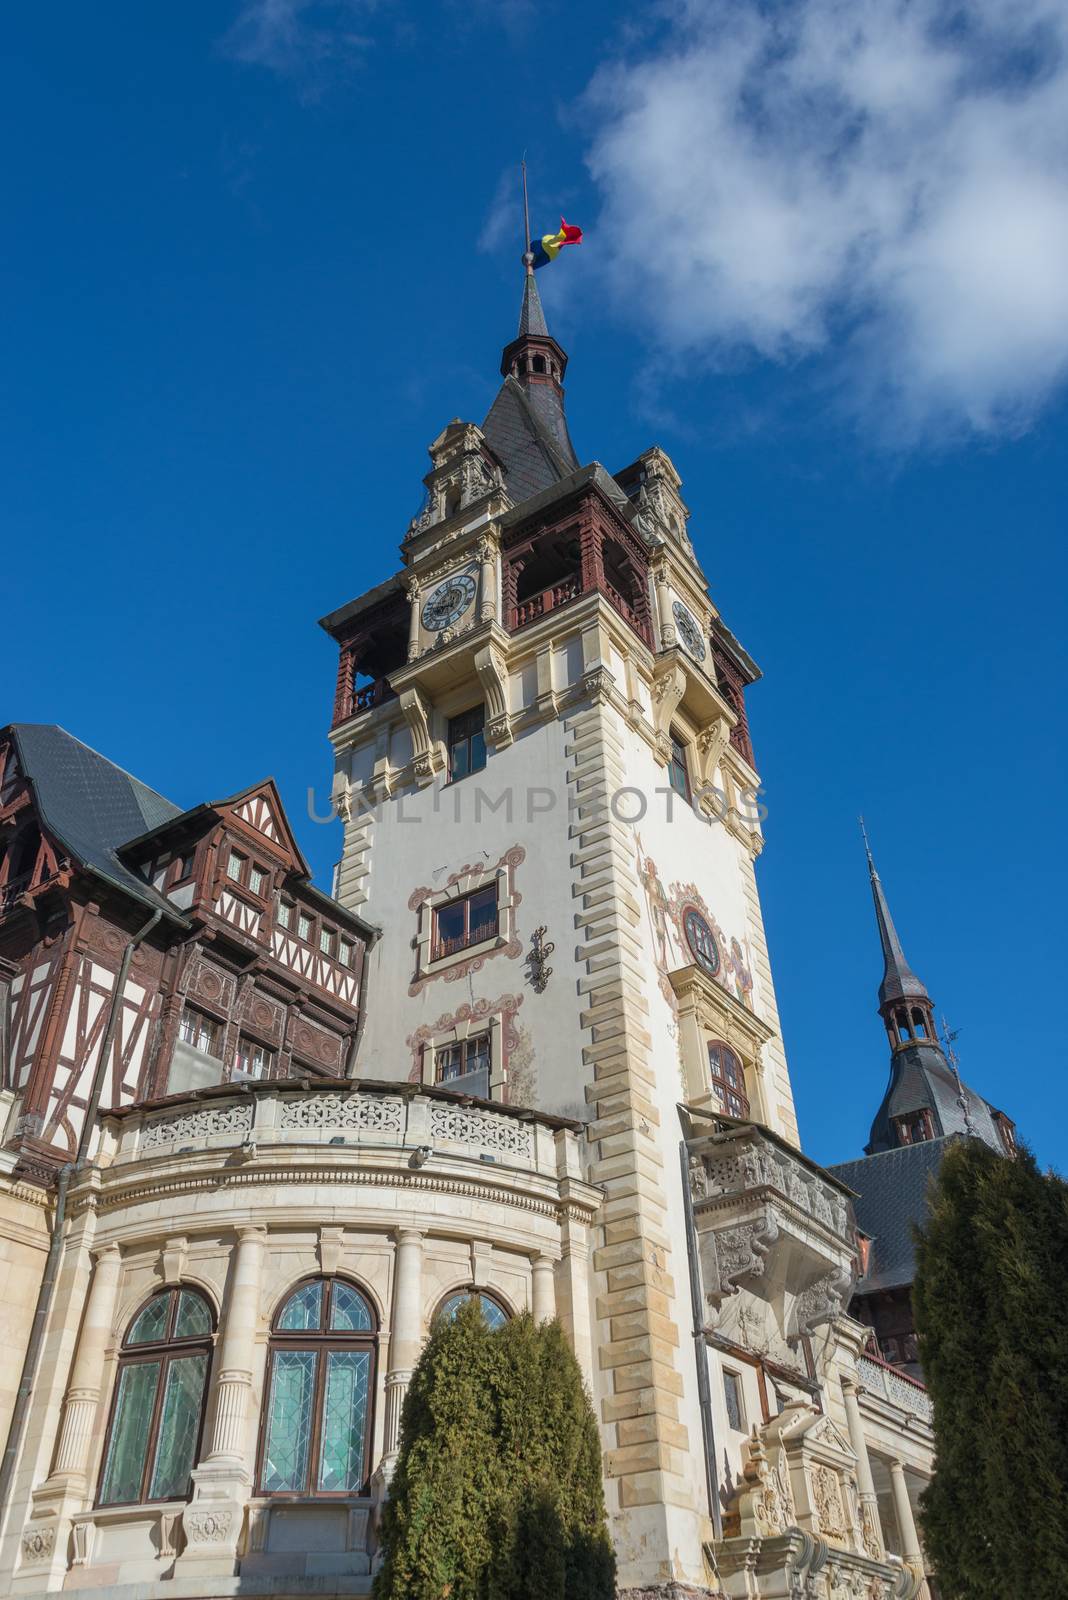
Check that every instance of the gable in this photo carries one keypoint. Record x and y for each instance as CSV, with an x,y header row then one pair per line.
x,y
259,814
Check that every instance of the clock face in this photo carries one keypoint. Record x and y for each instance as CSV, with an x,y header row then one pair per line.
x,y
688,631
448,602
701,940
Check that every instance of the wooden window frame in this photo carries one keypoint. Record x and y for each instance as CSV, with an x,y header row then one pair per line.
x,y
679,762
437,953
322,1342
739,1395
720,1079
253,1044
902,1124
464,1046
165,1351
465,738
217,1027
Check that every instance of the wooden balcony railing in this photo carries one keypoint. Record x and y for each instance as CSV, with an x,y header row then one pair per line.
x,y
557,594
372,694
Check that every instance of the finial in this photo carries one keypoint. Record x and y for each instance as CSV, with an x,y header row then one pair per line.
x,y
867,846
528,255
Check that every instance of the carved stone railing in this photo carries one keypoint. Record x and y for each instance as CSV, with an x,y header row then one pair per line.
x,y
418,1122
770,1222
884,1381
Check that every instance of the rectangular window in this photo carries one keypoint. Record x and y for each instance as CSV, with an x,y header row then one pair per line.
x,y
467,743
678,774
304,927
234,866
253,1060
256,879
326,941
285,914
732,1395
466,1055
185,868
199,1031
344,953
465,922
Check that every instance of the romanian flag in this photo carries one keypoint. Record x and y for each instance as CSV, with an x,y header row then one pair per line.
x,y
549,246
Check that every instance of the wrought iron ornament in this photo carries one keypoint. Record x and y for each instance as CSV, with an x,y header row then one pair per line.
x,y
538,960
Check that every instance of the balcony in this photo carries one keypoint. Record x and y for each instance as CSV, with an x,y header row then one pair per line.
x,y
539,605
772,1227
369,695
885,1382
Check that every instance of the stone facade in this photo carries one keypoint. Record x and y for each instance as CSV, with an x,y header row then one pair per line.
x,y
550,755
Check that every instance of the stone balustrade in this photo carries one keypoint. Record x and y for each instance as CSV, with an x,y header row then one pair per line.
x,y
886,1383
255,1118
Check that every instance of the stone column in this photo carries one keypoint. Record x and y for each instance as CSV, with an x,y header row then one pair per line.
x,y
411,589
222,1482
543,1289
83,1392
871,1528
911,1553
487,598
406,1334
665,621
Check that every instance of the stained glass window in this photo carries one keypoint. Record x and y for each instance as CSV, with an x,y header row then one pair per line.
x,y
493,1313
151,1446
319,1397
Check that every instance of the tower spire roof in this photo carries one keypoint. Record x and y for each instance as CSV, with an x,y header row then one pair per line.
x,y
899,980
531,315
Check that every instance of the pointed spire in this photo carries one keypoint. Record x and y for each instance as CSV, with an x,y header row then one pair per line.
x,y
899,980
531,315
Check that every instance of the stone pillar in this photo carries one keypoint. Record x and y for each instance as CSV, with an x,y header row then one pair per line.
x,y
406,1334
222,1482
665,621
911,1553
871,1527
83,1392
543,1289
411,589
487,598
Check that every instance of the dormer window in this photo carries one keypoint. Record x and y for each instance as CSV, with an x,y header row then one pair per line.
x,y
914,1128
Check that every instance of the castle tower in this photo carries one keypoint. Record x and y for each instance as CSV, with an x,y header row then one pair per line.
x,y
924,1098
541,741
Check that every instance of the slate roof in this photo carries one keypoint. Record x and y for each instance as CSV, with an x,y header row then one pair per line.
x,y
922,1079
527,429
891,1190
91,806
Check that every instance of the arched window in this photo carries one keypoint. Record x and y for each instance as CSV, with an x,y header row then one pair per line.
x,y
317,1420
493,1313
728,1078
154,1430
904,1032
539,363
918,1023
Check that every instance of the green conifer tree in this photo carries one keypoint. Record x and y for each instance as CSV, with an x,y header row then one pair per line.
x,y
497,1492
991,1306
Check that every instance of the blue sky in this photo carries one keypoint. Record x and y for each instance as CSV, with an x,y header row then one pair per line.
x,y
256,256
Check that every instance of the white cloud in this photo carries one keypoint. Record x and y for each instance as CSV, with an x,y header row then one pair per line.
x,y
881,181
308,40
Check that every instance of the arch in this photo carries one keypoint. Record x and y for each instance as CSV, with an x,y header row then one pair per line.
x,y
157,1410
495,1310
919,1023
539,364
316,1427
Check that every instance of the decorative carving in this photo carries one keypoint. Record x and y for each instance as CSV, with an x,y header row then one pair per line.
x,y
38,1542
487,1129
427,754
374,1113
196,1125
172,1259
331,1244
821,1302
204,1526
827,1501
492,672
538,960
738,1253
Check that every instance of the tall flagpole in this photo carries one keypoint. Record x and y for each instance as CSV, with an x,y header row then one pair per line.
x,y
528,259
